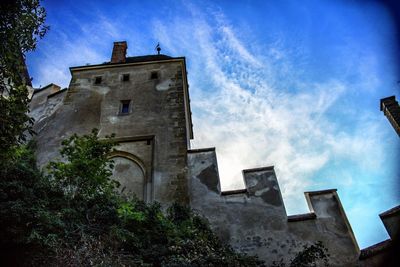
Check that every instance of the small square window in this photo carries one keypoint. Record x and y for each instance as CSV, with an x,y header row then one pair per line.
x,y
97,80
125,106
125,77
154,75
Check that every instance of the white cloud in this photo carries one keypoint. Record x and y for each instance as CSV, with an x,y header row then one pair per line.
x,y
252,123
238,46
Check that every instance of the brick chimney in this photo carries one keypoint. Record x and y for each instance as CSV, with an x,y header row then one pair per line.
x,y
119,52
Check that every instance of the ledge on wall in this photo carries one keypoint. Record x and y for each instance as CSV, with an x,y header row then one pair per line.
x,y
302,217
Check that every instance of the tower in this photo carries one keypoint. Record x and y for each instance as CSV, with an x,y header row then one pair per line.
x,y
391,109
143,100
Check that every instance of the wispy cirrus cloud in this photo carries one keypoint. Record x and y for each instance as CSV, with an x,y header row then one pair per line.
x,y
253,122
236,45
63,49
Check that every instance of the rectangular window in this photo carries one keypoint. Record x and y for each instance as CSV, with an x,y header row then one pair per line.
x,y
125,104
154,75
125,77
97,80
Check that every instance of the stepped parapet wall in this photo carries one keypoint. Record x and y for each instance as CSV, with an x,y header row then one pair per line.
x,y
254,220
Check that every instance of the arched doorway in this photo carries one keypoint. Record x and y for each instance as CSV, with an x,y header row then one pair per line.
x,y
129,171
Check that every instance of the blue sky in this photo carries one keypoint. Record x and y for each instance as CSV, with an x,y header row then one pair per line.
x,y
277,83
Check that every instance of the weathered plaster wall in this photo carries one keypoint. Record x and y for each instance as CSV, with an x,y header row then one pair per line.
x,y
45,102
138,181
130,176
254,220
157,114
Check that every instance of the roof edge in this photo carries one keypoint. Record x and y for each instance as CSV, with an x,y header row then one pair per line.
x,y
115,65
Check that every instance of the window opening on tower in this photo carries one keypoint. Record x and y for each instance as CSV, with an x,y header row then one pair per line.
x,y
125,105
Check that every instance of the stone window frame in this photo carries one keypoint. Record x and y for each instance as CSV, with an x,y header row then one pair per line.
x,y
122,107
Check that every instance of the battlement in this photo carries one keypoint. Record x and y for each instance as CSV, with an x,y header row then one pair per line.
x,y
391,220
253,219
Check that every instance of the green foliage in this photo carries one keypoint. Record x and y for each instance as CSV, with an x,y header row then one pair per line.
x,y
14,121
126,212
84,175
21,25
178,237
26,221
74,216
311,256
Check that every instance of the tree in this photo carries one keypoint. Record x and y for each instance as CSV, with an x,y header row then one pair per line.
x,y
27,222
86,172
312,255
21,25
22,193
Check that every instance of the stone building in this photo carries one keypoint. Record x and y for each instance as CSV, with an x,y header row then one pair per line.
x,y
145,101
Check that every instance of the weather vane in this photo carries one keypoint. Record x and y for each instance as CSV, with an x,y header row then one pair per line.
x,y
158,48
